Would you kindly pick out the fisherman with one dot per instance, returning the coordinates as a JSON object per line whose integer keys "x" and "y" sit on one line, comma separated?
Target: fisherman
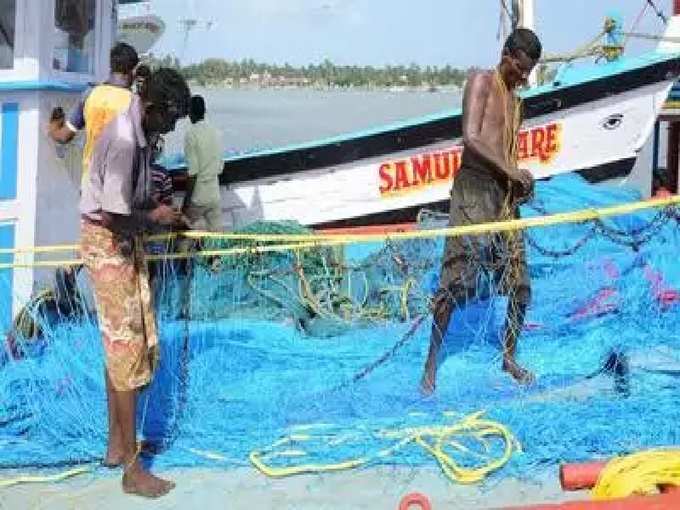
{"x": 202, "y": 149}
{"x": 202, "y": 206}
{"x": 99, "y": 104}
{"x": 117, "y": 205}
{"x": 489, "y": 187}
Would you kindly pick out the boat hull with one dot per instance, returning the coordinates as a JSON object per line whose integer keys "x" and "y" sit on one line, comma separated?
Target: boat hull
{"x": 601, "y": 139}
{"x": 597, "y": 126}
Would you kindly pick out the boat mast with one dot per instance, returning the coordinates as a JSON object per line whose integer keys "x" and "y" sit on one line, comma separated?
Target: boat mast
{"x": 524, "y": 10}
{"x": 673, "y": 140}
{"x": 523, "y": 17}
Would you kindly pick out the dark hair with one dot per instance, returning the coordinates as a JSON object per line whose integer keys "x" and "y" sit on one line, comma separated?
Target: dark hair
{"x": 141, "y": 73}
{"x": 166, "y": 86}
{"x": 124, "y": 58}
{"x": 197, "y": 109}
{"x": 525, "y": 40}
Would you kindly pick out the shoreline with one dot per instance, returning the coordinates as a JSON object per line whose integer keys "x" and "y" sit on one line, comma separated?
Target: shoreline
{"x": 375, "y": 488}
{"x": 452, "y": 89}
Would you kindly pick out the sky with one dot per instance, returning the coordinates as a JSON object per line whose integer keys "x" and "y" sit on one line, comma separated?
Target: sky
{"x": 461, "y": 33}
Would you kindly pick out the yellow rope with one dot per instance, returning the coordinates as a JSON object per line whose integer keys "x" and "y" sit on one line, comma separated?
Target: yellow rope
{"x": 638, "y": 474}
{"x": 301, "y": 242}
{"x": 434, "y": 440}
{"x": 44, "y": 479}
{"x": 314, "y": 240}
{"x": 410, "y": 282}
{"x": 512, "y": 123}
{"x": 43, "y": 263}
{"x": 589, "y": 49}
{"x": 41, "y": 249}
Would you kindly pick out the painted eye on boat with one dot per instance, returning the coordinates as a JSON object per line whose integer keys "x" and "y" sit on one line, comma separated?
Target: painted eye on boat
{"x": 613, "y": 121}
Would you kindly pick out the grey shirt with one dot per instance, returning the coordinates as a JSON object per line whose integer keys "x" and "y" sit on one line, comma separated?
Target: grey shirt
{"x": 115, "y": 162}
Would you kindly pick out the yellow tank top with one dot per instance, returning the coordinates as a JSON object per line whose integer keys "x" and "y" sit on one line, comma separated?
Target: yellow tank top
{"x": 104, "y": 104}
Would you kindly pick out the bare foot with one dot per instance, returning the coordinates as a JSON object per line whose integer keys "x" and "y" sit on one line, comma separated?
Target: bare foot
{"x": 427, "y": 385}
{"x": 114, "y": 454}
{"x": 112, "y": 460}
{"x": 518, "y": 373}
{"x": 142, "y": 483}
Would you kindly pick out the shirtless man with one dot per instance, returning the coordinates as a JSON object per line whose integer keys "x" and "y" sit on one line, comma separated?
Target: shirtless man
{"x": 488, "y": 188}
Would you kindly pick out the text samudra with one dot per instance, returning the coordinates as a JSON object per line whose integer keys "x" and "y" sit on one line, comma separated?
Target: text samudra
{"x": 540, "y": 144}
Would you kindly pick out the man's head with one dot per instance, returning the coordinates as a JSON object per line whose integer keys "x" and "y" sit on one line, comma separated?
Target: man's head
{"x": 521, "y": 52}
{"x": 197, "y": 109}
{"x": 166, "y": 97}
{"x": 124, "y": 59}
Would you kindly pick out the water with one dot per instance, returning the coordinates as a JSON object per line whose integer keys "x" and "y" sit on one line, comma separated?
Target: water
{"x": 253, "y": 119}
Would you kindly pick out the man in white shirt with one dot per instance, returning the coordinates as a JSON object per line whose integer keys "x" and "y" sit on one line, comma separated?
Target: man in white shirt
{"x": 203, "y": 152}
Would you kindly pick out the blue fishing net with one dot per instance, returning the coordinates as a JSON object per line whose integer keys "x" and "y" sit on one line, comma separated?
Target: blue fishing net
{"x": 327, "y": 341}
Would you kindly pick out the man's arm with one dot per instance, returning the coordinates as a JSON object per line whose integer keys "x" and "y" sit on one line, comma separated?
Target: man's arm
{"x": 118, "y": 212}
{"x": 191, "y": 155}
{"x": 475, "y": 99}
{"x": 140, "y": 219}
{"x": 191, "y": 184}
{"x": 63, "y": 130}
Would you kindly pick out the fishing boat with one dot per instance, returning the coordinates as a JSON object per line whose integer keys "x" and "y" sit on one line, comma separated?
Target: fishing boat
{"x": 593, "y": 118}
{"x": 138, "y": 25}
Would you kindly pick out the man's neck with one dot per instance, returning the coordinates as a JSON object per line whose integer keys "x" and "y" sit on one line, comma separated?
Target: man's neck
{"x": 500, "y": 70}
{"x": 119, "y": 79}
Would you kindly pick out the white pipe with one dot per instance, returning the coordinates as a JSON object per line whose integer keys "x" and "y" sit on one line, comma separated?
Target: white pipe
{"x": 527, "y": 19}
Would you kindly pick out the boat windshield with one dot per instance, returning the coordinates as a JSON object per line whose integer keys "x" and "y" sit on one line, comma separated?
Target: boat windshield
{"x": 74, "y": 39}
{"x": 7, "y": 23}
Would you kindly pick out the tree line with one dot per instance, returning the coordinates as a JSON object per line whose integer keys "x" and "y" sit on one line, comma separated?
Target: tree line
{"x": 326, "y": 74}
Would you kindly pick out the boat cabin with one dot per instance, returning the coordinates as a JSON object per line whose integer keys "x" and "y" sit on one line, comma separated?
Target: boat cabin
{"x": 49, "y": 51}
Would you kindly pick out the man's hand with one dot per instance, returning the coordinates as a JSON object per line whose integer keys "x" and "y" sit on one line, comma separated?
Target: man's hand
{"x": 182, "y": 223}
{"x": 57, "y": 115}
{"x": 57, "y": 119}
{"x": 523, "y": 185}
{"x": 165, "y": 215}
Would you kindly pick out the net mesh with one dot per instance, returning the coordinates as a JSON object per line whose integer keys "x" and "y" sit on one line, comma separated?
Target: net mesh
{"x": 325, "y": 345}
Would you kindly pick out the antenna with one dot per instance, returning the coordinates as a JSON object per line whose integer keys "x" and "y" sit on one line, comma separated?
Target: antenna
{"x": 191, "y": 23}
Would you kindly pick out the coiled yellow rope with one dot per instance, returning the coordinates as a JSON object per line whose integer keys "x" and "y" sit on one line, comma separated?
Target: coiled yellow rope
{"x": 433, "y": 439}
{"x": 638, "y": 474}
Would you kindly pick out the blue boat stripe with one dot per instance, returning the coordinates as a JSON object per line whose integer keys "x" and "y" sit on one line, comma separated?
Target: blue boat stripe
{"x": 9, "y": 150}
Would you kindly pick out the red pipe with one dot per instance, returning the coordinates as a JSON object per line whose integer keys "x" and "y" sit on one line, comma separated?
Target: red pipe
{"x": 415, "y": 501}
{"x": 576, "y": 477}
{"x": 655, "y": 502}
{"x": 676, "y": 7}
{"x": 369, "y": 229}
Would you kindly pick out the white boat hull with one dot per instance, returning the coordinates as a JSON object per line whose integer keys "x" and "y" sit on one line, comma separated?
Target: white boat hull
{"x": 592, "y": 135}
